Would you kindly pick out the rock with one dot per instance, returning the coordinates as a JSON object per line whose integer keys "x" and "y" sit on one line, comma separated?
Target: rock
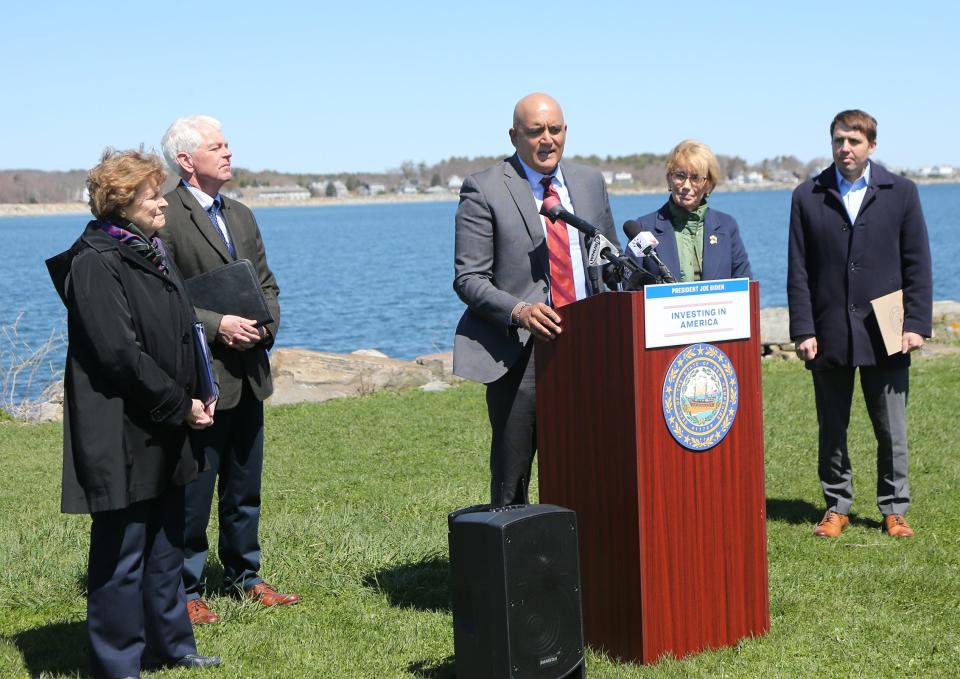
{"x": 433, "y": 387}
{"x": 440, "y": 365}
{"x": 302, "y": 375}
{"x": 369, "y": 352}
{"x": 774, "y": 326}
{"x": 946, "y": 311}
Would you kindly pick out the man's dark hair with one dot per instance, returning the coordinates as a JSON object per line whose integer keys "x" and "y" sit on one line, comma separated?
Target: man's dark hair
{"x": 858, "y": 120}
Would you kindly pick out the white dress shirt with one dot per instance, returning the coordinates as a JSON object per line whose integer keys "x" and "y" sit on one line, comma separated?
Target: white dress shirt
{"x": 205, "y": 202}
{"x": 852, "y": 193}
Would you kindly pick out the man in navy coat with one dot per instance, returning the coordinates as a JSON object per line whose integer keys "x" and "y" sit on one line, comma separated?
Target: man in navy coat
{"x": 857, "y": 233}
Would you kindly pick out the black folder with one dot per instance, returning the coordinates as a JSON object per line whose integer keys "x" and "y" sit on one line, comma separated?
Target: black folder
{"x": 231, "y": 289}
{"x": 207, "y": 389}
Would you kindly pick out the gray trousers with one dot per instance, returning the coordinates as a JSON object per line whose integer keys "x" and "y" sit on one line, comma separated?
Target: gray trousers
{"x": 512, "y": 408}
{"x": 885, "y": 394}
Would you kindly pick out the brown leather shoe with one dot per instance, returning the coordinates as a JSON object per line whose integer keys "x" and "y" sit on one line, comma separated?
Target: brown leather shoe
{"x": 268, "y": 596}
{"x": 831, "y": 525}
{"x": 896, "y": 526}
{"x": 200, "y": 613}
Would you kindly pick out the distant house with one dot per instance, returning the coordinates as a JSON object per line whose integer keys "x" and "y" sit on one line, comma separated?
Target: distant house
{"x": 455, "y": 182}
{"x": 937, "y": 171}
{"x": 371, "y": 189}
{"x": 407, "y": 189}
{"x": 607, "y": 178}
{"x": 341, "y": 189}
{"x": 784, "y": 177}
{"x": 752, "y": 177}
{"x": 622, "y": 177}
{"x": 290, "y": 192}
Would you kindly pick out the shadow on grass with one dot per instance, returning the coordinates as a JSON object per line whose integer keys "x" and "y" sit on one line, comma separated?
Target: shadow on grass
{"x": 424, "y": 585}
{"x": 429, "y": 669}
{"x": 213, "y": 574}
{"x": 802, "y": 512}
{"x": 792, "y": 511}
{"x": 55, "y": 650}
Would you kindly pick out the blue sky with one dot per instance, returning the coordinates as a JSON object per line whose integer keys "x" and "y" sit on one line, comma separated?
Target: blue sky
{"x": 363, "y": 86}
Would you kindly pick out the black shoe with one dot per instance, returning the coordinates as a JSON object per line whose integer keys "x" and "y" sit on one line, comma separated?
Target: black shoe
{"x": 193, "y": 661}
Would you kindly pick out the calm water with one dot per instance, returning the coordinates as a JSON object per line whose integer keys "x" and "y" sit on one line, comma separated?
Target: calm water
{"x": 379, "y": 276}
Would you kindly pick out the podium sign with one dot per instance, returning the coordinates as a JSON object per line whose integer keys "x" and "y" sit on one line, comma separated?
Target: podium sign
{"x": 704, "y": 311}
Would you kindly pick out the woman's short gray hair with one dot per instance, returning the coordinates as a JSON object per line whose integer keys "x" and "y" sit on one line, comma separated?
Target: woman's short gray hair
{"x": 183, "y": 136}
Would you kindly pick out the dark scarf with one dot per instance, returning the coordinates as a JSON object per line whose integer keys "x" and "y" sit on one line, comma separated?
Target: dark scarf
{"x": 126, "y": 232}
{"x": 681, "y": 218}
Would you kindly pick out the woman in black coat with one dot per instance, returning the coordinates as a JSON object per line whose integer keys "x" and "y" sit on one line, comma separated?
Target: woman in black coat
{"x": 129, "y": 383}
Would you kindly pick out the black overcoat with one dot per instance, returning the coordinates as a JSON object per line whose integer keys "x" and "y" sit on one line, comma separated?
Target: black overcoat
{"x": 129, "y": 375}
{"x": 835, "y": 268}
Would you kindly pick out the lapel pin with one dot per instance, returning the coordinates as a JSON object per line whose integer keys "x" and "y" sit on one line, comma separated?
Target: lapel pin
{"x": 713, "y": 240}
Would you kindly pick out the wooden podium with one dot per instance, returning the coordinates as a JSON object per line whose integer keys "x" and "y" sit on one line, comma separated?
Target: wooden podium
{"x": 673, "y": 546}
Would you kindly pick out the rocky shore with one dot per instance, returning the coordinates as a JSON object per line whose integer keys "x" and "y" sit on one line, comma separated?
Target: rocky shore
{"x": 301, "y": 375}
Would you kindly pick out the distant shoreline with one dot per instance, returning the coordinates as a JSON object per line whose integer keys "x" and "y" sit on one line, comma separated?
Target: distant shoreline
{"x": 77, "y": 208}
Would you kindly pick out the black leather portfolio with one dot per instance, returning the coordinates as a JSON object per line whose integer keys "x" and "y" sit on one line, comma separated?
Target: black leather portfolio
{"x": 207, "y": 389}
{"x": 230, "y": 289}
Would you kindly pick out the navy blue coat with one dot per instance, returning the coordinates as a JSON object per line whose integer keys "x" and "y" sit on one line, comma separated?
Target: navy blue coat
{"x": 723, "y": 253}
{"x": 835, "y": 269}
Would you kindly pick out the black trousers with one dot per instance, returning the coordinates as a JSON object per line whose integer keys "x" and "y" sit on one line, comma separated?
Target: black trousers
{"x": 512, "y": 408}
{"x": 136, "y": 607}
{"x": 233, "y": 446}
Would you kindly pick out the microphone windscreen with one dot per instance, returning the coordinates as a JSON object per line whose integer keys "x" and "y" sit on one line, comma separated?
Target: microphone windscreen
{"x": 550, "y": 207}
{"x": 631, "y": 227}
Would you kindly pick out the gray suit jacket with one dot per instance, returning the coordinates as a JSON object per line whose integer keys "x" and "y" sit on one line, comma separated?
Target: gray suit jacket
{"x": 500, "y": 259}
{"x": 196, "y": 247}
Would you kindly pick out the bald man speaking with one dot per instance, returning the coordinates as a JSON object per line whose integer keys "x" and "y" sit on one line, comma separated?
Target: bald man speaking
{"x": 516, "y": 270}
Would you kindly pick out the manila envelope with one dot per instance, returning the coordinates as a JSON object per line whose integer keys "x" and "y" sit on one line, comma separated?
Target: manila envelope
{"x": 889, "y": 312}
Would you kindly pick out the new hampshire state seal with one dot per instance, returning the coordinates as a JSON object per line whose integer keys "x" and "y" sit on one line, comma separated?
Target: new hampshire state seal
{"x": 700, "y": 396}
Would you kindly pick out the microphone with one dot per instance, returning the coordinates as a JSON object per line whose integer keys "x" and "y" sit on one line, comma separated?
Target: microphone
{"x": 642, "y": 244}
{"x": 553, "y": 208}
{"x": 600, "y": 247}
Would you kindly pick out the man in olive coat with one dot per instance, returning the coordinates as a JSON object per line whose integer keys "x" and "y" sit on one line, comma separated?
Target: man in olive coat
{"x": 857, "y": 233}
{"x": 206, "y": 230}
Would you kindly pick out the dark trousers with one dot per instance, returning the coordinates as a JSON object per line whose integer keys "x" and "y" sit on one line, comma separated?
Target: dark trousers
{"x": 512, "y": 408}
{"x": 233, "y": 447}
{"x": 885, "y": 395}
{"x": 136, "y": 607}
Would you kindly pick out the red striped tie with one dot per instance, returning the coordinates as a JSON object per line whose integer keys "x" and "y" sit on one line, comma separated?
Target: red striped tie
{"x": 562, "y": 291}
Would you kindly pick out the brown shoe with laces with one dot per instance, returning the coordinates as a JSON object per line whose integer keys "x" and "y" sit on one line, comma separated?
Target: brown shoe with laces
{"x": 831, "y": 525}
{"x": 896, "y": 526}
{"x": 200, "y": 613}
{"x": 268, "y": 596}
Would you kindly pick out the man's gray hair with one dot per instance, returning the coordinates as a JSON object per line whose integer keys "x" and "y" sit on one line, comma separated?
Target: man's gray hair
{"x": 183, "y": 136}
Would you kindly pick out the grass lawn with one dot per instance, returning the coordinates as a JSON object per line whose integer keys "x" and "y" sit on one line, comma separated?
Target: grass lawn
{"x": 356, "y": 494}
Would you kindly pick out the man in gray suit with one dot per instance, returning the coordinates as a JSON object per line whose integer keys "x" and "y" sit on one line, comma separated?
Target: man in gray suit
{"x": 206, "y": 230}
{"x": 514, "y": 269}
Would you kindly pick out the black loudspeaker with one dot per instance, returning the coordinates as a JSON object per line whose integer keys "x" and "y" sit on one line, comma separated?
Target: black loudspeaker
{"x": 515, "y": 580}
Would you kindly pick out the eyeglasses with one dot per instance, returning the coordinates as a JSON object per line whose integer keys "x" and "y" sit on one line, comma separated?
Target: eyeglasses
{"x": 679, "y": 178}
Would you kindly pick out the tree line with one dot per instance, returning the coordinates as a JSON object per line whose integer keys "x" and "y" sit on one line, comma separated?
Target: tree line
{"x": 646, "y": 169}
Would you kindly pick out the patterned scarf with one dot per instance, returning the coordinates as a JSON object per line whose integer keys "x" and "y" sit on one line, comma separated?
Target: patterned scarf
{"x": 127, "y": 233}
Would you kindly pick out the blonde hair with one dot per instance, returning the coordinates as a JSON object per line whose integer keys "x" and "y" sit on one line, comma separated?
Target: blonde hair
{"x": 113, "y": 183}
{"x": 695, "y": 155}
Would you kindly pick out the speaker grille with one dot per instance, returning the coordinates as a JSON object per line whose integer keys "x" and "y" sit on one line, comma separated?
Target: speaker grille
{"x": 543, "y": 595}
